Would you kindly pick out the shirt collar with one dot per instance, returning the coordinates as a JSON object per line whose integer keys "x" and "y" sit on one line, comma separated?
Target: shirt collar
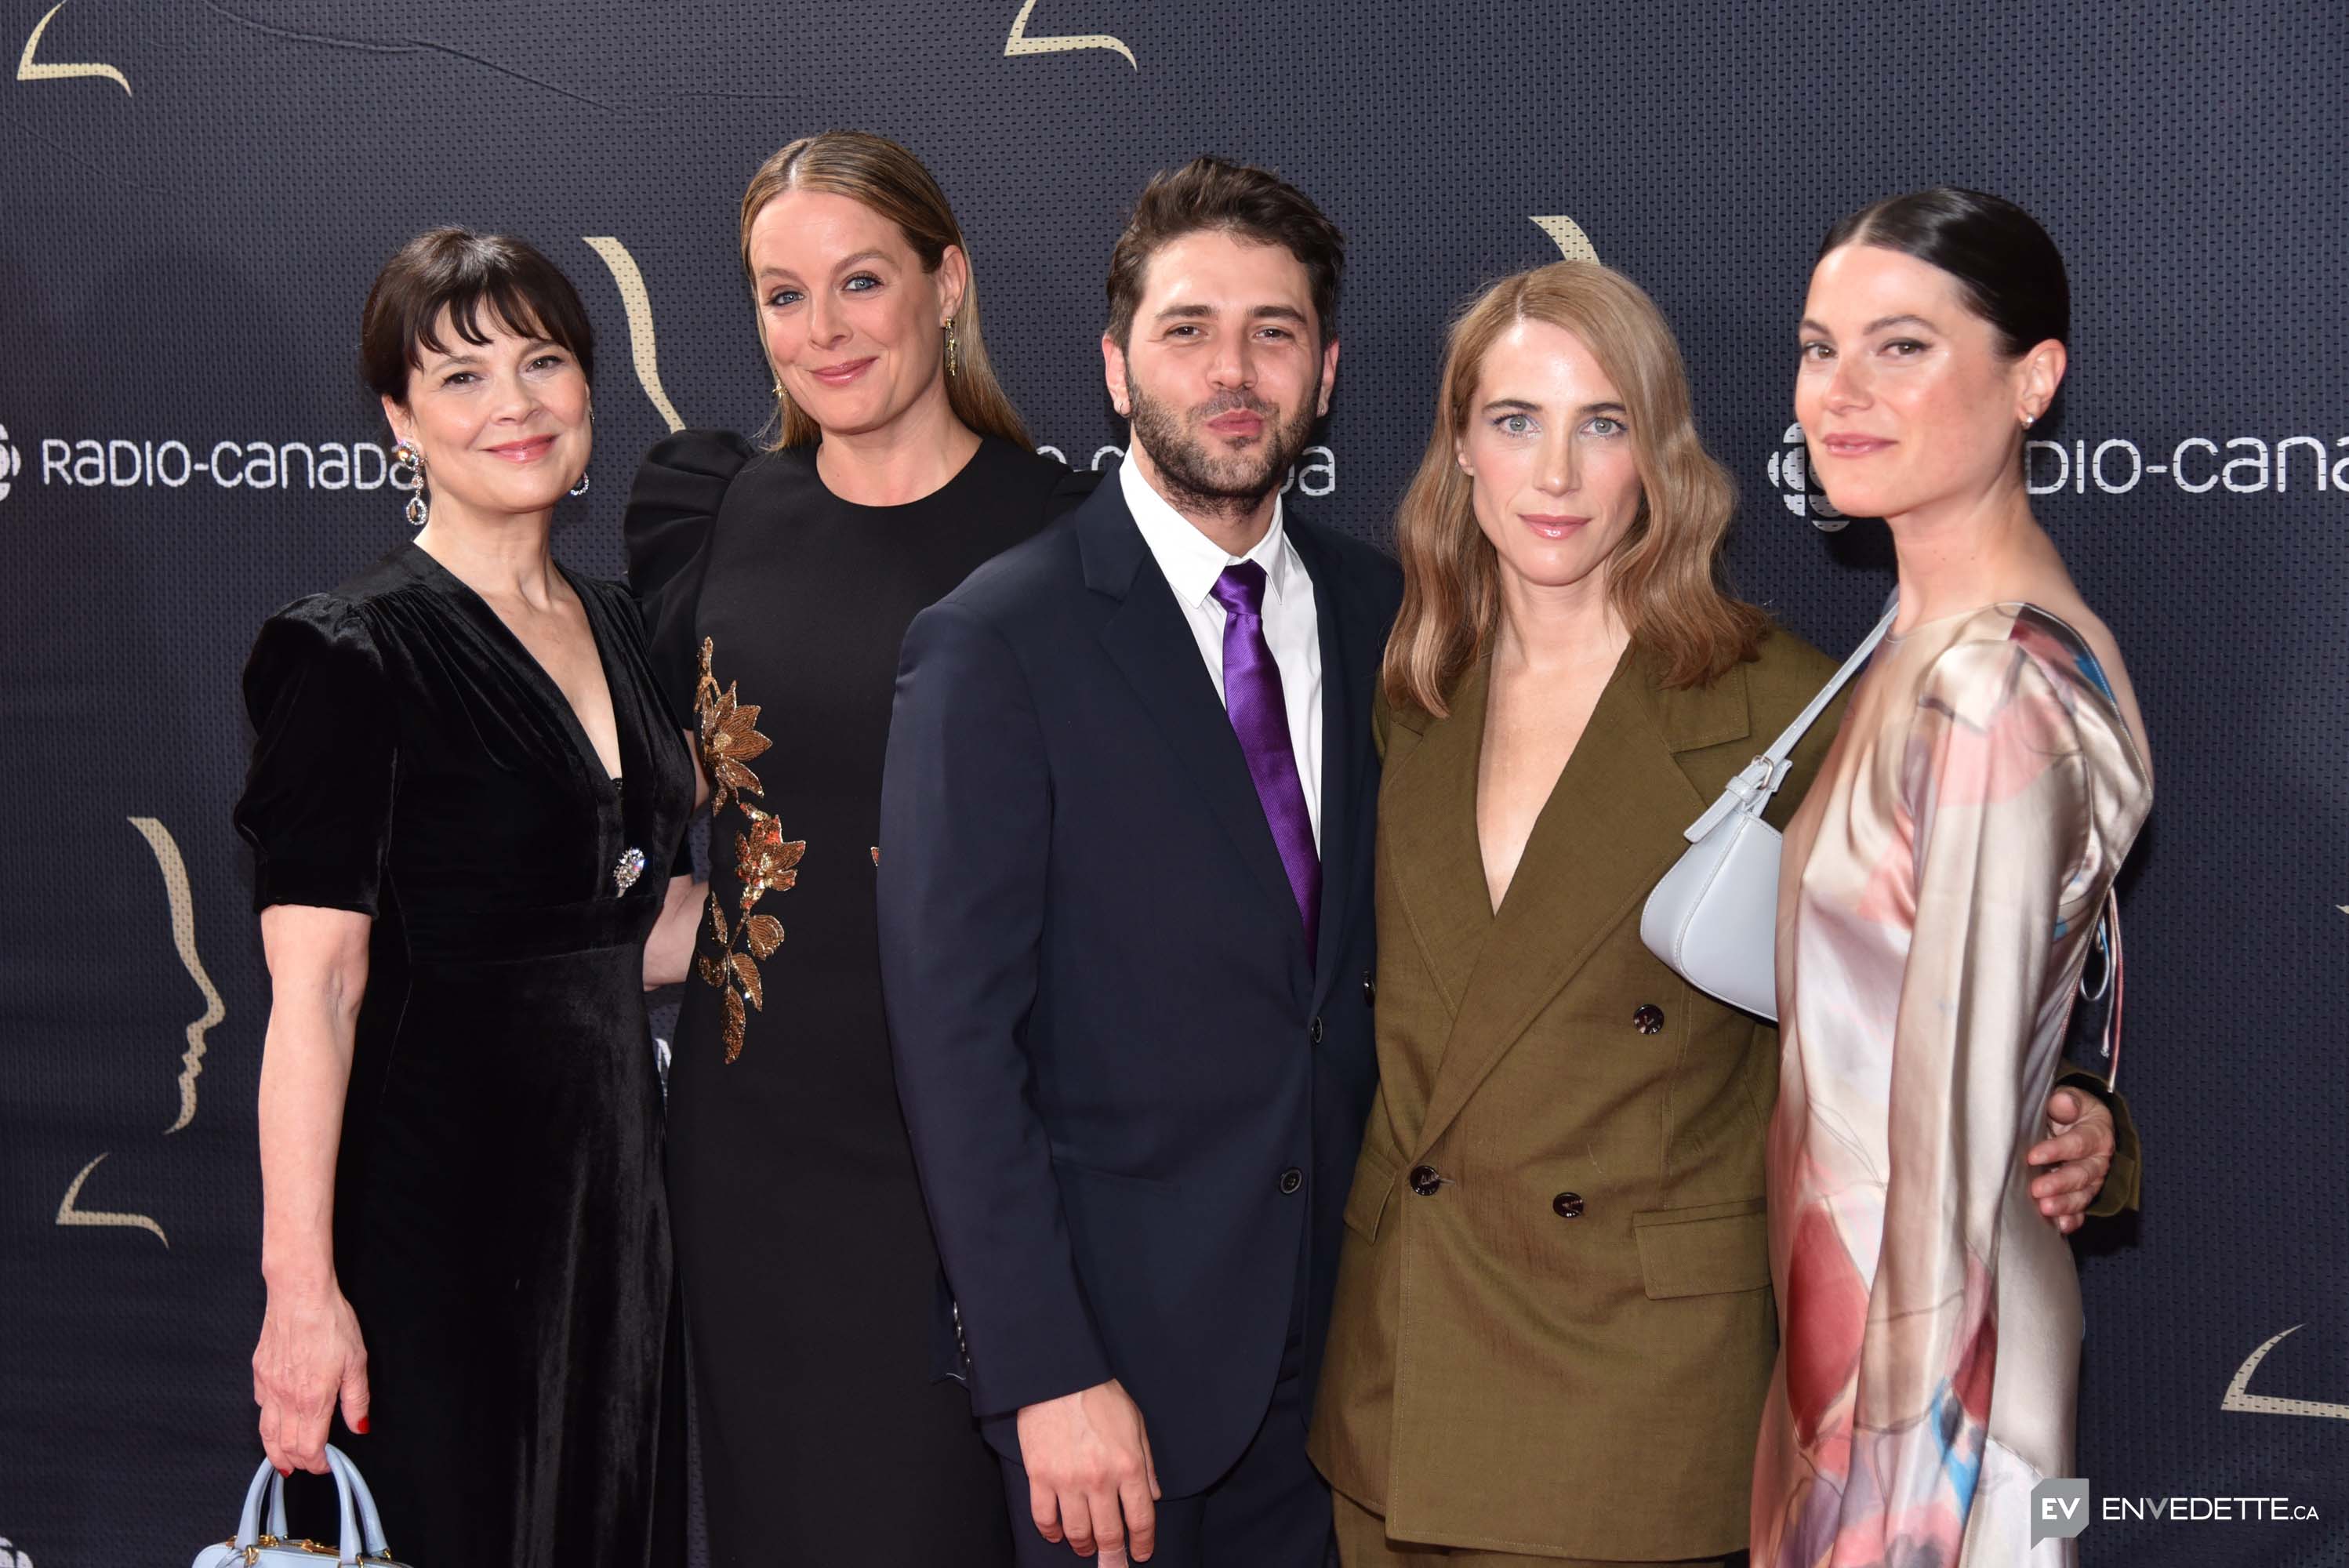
{"x": 1189, "y": 559}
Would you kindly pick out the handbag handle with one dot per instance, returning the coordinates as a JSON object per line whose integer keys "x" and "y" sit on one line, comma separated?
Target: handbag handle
{"x": 358, "y": 1505}
{"x": 1751, "y": 791}
{"x": 372, "y": 1535}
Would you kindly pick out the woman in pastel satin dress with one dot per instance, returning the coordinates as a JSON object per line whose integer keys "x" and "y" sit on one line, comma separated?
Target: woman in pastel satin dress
{"x": 1938, "y": 892}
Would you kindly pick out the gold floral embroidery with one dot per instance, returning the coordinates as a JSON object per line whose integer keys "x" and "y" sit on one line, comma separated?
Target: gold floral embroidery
{"x": 764, "y": 860}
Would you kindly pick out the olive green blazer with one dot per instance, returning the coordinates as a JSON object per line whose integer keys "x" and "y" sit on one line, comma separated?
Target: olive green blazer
{"x": 1554, "y": 1324}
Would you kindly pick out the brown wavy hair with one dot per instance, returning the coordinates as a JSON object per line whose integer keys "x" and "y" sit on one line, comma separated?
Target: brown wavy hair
{"x": 1665, "y": 577}
{"x": 891, "y": 182}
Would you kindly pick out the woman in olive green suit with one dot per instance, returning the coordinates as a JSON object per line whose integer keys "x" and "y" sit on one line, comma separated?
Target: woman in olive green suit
{"x": 1554, "y": 1327}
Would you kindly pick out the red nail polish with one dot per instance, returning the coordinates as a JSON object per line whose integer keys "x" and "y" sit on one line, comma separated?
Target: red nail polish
{"x": 285, "y": 1471}
{"x": 360, "y": 1426}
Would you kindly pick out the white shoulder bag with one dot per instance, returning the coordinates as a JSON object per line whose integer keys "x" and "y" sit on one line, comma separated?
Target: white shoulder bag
{"x": 253, "y": 1547}
{"x": 1715, "y": 915}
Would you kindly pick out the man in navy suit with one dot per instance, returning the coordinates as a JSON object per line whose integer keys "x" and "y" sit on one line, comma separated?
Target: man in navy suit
{"x": 1126, "y": 917}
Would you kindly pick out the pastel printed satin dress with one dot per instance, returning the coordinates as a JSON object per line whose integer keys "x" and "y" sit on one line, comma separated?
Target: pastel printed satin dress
{"x": 1938, "y": 897}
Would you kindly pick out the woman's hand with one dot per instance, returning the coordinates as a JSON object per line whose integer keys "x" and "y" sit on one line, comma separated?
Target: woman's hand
{"x": 2076, "y": 1155}
{"x": 310, "y": 1358}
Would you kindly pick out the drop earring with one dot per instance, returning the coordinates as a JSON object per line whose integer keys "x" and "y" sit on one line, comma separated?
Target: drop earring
{"x": 953, "y": 366}
{"x": 404, "y": 455}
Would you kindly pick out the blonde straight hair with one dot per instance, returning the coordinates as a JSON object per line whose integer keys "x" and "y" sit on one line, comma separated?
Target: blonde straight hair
{"x": 891, "y": 182}
{"x": 1665, "y": 577}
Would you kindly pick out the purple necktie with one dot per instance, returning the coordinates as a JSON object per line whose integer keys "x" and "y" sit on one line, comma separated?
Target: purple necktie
{"x": 1260, "y": 718}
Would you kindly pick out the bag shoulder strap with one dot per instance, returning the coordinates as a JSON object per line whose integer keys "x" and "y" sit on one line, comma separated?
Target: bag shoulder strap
{"x": 1752, "y": 788}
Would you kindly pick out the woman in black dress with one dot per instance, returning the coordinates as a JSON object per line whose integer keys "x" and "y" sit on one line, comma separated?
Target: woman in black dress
{"x": 779, "y": 584}
{"x": 463, "y": 765}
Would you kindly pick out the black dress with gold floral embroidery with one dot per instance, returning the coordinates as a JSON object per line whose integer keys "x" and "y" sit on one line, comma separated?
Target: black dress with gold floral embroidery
{"x": 811, "y": 1280}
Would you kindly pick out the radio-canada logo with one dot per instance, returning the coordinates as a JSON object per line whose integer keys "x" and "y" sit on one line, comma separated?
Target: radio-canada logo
{"x": 12, "y": 462}
{"x": 1789, "y": 470}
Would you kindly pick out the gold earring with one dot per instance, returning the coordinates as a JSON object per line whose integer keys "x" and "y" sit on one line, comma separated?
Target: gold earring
{"x": 953, "y": 365}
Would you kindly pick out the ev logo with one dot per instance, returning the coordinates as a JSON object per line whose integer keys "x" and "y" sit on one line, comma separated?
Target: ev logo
{"x": 1789, "y": 473}
{"x": 2059, "y": 1509}
{"x": 12, "y": 463}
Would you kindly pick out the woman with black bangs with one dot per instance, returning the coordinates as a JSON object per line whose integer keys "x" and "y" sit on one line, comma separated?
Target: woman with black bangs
{"x": 461, "y": 769}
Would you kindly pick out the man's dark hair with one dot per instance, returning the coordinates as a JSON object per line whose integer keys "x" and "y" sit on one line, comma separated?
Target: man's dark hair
{"x": 463, "y": 272}
{"x": 1211, "y": 194}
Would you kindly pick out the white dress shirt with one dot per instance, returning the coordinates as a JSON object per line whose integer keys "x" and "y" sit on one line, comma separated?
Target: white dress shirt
{"x": 1292, "y": 627}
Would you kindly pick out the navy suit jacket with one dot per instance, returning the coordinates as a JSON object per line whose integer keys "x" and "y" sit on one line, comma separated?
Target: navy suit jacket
{"x": 1134, "y": 1097}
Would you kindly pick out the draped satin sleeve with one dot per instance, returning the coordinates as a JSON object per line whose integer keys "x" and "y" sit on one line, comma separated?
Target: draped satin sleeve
{"x": 671, "y": 518}
{"x": 317, "y": 801}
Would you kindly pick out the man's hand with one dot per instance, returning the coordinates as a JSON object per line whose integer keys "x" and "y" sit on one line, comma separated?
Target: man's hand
{"x": 1091, "y": 1482}
{"x": 2079, "y": 1148}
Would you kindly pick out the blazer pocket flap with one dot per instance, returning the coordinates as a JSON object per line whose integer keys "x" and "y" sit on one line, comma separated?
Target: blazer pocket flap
{"x": 1366, "y": 1202}
{"x": 1703, "y": 1251}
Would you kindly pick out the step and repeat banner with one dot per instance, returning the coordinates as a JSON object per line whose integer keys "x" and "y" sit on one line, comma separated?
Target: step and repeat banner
{"x": 195, "y": 195}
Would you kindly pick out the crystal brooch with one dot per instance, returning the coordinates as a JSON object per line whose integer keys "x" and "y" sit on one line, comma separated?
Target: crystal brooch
{"x": 628, "y": 868}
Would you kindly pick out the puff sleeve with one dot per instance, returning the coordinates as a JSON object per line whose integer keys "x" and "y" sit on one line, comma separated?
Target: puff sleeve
{"x": 317, "y": 801}
{"x": 671, "y": 517}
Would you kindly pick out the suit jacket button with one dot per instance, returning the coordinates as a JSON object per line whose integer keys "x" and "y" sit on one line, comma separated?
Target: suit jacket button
{"x": 1291, "y": 1180}
{"x": 1424, "y": 1181}
{"x": 1315, "y": 1031}
{"x": 1649, "y": 1019}
{"x": 1370, "y": 991}
{"x": 1568, "y": 1205}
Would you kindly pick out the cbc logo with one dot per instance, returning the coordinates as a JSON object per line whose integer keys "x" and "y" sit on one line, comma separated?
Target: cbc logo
{"x": 12, "y": 463}
{"x": 1789, "y": 471}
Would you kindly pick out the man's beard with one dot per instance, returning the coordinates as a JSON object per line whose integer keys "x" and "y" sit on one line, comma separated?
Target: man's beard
{"x": 1199, "y": 480}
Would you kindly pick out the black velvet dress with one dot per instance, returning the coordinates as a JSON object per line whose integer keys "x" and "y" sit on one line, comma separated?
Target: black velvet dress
{"x": 500, "y": 1228}
{"x": 831, "y": 1430}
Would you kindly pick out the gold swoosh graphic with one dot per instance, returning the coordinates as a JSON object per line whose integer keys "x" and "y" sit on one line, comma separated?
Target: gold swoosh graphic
{"x": 1571, "y": 242}
{"x": 183, "y": 936}
{"x": 70, "y": 1215}
{"x": 642, "y": 346}
{"x": 31, "y": 70}
{"x": 1019, "y": 43}
{"x": 2239, "y": 1398}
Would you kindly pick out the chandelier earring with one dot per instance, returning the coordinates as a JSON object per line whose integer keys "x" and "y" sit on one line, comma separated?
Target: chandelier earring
{"x": 404, "y": 455}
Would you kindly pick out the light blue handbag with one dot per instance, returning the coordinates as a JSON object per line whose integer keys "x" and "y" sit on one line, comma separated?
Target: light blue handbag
{"x": 253, "y": 1547}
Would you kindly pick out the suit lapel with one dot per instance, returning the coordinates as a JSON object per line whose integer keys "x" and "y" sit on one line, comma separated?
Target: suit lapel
{"x": 1611, "y": 828}
{"x": 1151, "y": 642}
{"x": 1345, "y": 746}
{"x": 1427, "y": 836}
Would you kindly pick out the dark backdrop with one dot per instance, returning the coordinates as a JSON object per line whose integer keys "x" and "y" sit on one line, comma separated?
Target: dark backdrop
{"x": 195, "y": 195}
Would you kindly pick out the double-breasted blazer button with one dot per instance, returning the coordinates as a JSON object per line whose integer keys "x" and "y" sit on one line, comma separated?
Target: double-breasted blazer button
{"x": 1424, "y": 1181}
{"x": 1315, "y": 1031}
{"x": 1568, "y": 1205}
{"x": 1291, "y": 1180}
{"x": 1369, "y": 990}
{"x": 1649, "y": 1019}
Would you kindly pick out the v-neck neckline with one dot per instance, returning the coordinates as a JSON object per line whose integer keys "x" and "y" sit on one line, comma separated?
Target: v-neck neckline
{"x": 1484, "y": 694}
{"x": 584, "y": 752}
